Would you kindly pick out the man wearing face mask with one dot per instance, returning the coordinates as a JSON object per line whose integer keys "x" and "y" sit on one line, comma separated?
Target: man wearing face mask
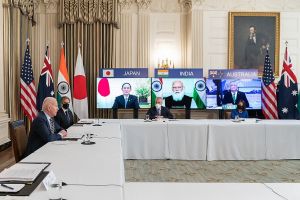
{"x": 64, "y": 115}
{"x": 158, "y": 110}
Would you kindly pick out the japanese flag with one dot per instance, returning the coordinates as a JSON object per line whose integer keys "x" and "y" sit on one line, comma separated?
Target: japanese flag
{"x": 108, "y": 73}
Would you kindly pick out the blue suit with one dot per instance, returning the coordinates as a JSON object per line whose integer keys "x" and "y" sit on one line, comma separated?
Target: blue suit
{"x": 131, "y": 103}
{"x": 243, "y": 114}
{"x": 40, "y": 133}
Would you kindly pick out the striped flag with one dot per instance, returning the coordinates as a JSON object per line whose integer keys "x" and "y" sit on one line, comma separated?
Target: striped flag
{"x": 28, "y": 91}
{"x": 287, "y": 91}
{"x": 63, "y": 83}
{"x": 269, "y": 99}
{"x": 80, "y": 90}
{"x": 46, "y": 85}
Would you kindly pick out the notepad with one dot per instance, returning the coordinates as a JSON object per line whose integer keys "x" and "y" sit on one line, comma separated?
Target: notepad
{"x": 11, "y": 188}
{"x": 22, "y": 172}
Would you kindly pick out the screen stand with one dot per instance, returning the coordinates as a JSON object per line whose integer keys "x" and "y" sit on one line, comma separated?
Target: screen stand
{"x": 221, "y": 114}
{"x": 188, "y": 113}
{"x": 135, "y": 113}
{"x": 115, "y": 113}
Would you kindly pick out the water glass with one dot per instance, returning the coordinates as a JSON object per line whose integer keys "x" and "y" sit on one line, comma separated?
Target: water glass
{"x": 54, "y": 191}
{"x": 147, "y": 117}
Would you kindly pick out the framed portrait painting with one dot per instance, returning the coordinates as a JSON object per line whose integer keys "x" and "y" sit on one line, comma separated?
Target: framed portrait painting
{"x": 250, "y": 35}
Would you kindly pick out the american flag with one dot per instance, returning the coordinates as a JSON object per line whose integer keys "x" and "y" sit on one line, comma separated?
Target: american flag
{"x": 46, "y": 85}
{"x": 287, "y": 91}
{"x": 269, "y": 99}
{"x": 28, "y": 91}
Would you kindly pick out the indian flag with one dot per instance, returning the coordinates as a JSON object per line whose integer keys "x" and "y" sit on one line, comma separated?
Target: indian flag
{"x": 163, "y": 72}
{"x": 199, "y": 94}
{"x": 63, "y": 83}
{"x": 156, "y": 91}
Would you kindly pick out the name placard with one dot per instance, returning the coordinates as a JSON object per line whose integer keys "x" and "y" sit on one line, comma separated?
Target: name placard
{"x": 124, "y": 73}
{"x": 233, "y": 73}
{"x": 179, "y": 73}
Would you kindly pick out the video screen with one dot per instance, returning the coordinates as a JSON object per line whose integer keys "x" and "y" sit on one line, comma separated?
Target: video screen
{"x": 123, "y": 93}
{"x": 180, "y": 93}
{"x": 226, "y": 93}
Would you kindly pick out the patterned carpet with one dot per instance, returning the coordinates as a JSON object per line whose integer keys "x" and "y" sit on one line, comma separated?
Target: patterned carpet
{"x": 212, "y": 171}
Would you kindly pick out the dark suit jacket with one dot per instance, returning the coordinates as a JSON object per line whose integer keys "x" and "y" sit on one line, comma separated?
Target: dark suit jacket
{"x": 62, "y": 119}
{"x": 165, "y": 112}
{"x": 40, "y": 133}
{"x": 185, "y": 102}
{"x": 120, "y": 102}
{"x": 239, "y": 96}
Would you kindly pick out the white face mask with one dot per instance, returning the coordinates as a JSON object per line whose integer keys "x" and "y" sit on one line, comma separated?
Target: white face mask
{"x": 158, "y": 106}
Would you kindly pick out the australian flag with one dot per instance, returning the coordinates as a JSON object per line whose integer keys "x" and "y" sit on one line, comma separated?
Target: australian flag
{"x": 46, "y": 86}
{"x": 287, "y": 91}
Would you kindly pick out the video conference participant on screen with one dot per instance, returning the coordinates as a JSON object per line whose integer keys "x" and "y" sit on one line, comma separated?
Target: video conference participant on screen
{"x": 178, "y": 98}
{"x": 126, "y": 100}
{"x": 240, "y": 111}
{"x": 158, "y": 110}
{"x": 233, "y": 96}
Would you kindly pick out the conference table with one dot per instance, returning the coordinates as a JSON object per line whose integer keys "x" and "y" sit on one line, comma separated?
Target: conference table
{"x": 164, "y": 139}
{"x": 211, "y": 139}
{"x": 97, "y": 171}
{"x": 91, "y": 171}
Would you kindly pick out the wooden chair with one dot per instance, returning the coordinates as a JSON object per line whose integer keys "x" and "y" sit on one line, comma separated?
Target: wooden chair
{"x": 19, "y": 138}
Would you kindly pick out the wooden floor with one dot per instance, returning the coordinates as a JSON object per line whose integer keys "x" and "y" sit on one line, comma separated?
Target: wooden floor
{"x": 6, "y": 158}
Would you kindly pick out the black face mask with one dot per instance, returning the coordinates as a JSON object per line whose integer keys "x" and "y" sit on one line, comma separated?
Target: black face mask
{"x": 65, "y": 105}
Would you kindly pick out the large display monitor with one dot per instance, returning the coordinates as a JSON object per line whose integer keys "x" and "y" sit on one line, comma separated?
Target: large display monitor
{"x": 180, "y": 92}
{"x": 113, "y": 92}
{"x": 220, "y": 96}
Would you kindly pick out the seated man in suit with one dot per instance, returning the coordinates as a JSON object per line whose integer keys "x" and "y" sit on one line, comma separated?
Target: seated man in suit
{"x": 126, "y": 100}
{"x": 64, "y": 116}
{"x": 158, "y": 110}
{"x": 44, "y": 128}
{"x": 233, "y": 96}
{"x": 178, "y": 98}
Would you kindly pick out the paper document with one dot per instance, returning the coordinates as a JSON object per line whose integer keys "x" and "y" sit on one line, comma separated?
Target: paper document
{"x": 11, "y": 187}
{"x": 24, "y": 172}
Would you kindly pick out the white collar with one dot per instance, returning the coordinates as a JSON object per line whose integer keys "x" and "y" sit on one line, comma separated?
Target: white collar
{"x": 48, "y": 117}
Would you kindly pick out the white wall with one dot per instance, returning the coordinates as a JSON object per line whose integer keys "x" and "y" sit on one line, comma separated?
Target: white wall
{"x": 165, "y": 38}
{"x": 206, "y": 27}
{"x": 215, "y": 37}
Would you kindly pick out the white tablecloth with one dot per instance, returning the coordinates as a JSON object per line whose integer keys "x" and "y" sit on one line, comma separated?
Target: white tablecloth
{"x": 187, "y": 139}
{"x": 198, "y": 191}
{"x": 74, "y": 163}
{"x": 282, "y": 139}
{"x": 229, "y": 140}
{"x": 76, "y": 193}
{"x": 105, "y": 130}
{"x": 144, "y": 140}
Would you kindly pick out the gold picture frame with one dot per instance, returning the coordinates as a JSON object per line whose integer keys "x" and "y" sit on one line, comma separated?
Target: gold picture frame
{"x": 250, "y": 34}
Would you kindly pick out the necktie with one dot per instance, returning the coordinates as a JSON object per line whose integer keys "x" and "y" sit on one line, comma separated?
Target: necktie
{"x": 52, "y": 127}
{"x": 126, "y": 100}
{"x": 68, "y": 117}
{"x": 159, "y": 112}
{"x": 234, "y": 97}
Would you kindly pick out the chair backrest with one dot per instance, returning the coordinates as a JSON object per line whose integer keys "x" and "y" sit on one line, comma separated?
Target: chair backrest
{"x": 19, "y": 138}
